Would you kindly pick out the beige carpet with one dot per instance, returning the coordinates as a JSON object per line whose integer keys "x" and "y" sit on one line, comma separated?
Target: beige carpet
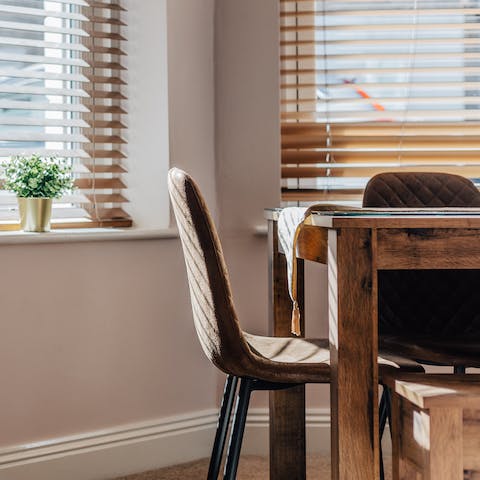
{"x": 250, "y": 468}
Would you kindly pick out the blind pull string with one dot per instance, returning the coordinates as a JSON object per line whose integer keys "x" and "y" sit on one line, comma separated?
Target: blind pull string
{"x": 94, "y": 133}
{"x": 412, "y": 61}
{"x": 329, "y": 157}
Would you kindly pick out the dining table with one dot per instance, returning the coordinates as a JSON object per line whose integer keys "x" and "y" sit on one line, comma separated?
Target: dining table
{"x": 355, "y": 245}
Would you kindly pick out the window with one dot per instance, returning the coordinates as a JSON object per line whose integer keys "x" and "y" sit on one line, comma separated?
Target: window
{"x": 373, "y": 86}
{"x": 61, "y": 94}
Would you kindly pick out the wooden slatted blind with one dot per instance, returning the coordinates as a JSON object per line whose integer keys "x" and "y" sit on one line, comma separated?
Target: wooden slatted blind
{"x": 61, "y": 94}
{"x": 373, "y": 86}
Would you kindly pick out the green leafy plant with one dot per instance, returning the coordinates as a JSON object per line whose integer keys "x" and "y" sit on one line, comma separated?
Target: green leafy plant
{"x": 38, "y": 177}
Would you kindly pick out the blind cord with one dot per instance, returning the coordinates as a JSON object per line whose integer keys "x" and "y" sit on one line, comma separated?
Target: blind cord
{"x": 94, "y": 133}
{"x": 329, "y": 157}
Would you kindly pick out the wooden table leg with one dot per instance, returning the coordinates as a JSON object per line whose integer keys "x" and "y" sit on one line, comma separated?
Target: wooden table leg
{"x": 353, "y": 348}
{"x": 287, "y": 407}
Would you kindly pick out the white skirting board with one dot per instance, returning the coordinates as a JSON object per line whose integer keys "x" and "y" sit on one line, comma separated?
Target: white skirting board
{"x": 114, "y": 452}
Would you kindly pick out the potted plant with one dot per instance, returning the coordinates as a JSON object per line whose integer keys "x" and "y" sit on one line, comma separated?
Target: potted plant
{"x": 36, "y": 181}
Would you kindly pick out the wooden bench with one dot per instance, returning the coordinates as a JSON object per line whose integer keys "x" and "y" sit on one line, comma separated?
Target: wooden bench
{"x": 435, "y": 426}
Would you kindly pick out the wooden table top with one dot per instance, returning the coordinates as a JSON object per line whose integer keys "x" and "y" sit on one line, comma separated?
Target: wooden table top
{"x": 390, "y": 218}
{"x": 395, "y": 220}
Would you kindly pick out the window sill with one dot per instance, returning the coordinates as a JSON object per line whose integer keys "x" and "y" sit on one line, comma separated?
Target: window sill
{"x": 86, "y": 235}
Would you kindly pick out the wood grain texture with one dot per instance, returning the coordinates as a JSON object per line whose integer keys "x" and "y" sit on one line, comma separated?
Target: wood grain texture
{"x": 414, "y": 458}
{"x": 287, "y": 434}
{"x": 438, "y": 443}
{"x": 407, "y": 458}
{"x": 312, "y": 244}
{"x": 353, "y": 256}
{"x": 471, "y": 441}
{"x": 437, "y": 390}
{"x": 353, "y": 347}
{"x": 395, "y": 221}
{"x": 407, "y": 471}
{"x": 413, "y": 428}
{"x": 428, "y": 444}
{"x": 397, "y": 465}
{"x": 428, "y": 248}
{"x": 287, "y": 407}
{"x": 445, "y": 457}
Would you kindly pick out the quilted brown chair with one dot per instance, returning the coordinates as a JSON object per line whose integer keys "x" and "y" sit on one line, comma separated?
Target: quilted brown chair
{"x": 432, "y": 316}
{"x": 259, "y": 363}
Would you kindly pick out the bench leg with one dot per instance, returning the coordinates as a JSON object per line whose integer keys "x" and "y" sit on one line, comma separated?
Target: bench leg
{"x": 445, "y": 457}
{"x": 427, "y": 444}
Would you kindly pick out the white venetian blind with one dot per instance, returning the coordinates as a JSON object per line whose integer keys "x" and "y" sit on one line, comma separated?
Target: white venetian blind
{"x": 61, "y": 95}
{"x": 373, "y": 86}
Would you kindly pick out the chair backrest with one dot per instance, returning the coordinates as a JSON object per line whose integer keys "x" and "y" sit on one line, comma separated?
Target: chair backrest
{"x": 441, "y": 303}
{"x": 422, "y": 189}
{"x": 214, "y": 314}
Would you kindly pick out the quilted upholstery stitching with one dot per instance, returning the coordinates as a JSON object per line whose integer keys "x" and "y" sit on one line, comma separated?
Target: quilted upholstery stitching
{"x": 409, "y": 300}
{"x": 420, "y": 190}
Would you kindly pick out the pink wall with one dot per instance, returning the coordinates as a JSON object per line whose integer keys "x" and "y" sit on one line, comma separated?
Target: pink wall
{"x": 247, "y": 114}
{"x": 93, "y": 348}
{"x": 191, "y": 90}
{"x": 90, "y": 331}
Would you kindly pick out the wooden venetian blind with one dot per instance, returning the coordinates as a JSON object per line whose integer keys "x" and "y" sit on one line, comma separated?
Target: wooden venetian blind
{"x": 61, "y": 95}
{"x": 374, "y": 86}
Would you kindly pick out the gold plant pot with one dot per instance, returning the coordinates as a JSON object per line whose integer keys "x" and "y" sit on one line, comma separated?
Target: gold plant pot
{"x": 35, "y": 213}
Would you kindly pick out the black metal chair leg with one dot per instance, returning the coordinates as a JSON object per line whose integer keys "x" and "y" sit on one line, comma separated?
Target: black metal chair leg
{"x": 383, "y": 414}
{"x": 236, "y": 437}
{"x": 459, "y": 369}
{"x": 222, "y": 427}
{"x": 382, "y": 468}
{"x": 388, "y": 394}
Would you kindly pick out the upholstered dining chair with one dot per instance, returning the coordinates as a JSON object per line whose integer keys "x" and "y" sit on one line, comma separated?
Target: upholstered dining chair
{"x": 430, "y": 316}
{"x": 255, "y": 362}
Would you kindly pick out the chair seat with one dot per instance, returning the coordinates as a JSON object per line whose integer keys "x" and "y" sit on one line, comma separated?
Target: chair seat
{"x": 306, "y": 360}
{"x": 447, "y": 351}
